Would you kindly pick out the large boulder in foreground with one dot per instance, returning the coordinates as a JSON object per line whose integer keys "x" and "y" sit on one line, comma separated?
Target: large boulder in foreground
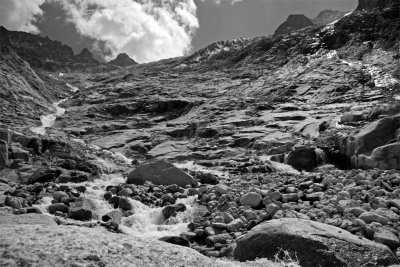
{"x": 159, "y": 173}
{"x": 314, "y": 243}
{"x": 82, "y": 246}
{"x": 6, "y": 218}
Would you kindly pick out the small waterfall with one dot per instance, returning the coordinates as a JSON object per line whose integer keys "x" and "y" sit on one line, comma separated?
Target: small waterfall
{"x": 49, "y": 120}
{"x": 149, "y": 222}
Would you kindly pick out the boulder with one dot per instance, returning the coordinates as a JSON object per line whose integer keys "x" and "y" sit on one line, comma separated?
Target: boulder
{"x": 304, "y": 158}
{"x": 69, "y": 245}
{"x": 369, "y": 217}
{"x": 207, "y": 178}
{"x": 314, "y": 243}
{"x": 251, "y": 199}
{"x": 371, "y": 147}
{"x": 387, "y": 157}
{"x": 235, "y": 225}
{"x": 387, "y": 238}
{"x": 61, "y": 207}
{"x": 113, "y": 216}
{"x": 82, "y": 209}
{"x": 159, "y": 173}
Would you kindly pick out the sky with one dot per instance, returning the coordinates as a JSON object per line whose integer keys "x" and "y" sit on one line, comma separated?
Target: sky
{"x": 149, "y": 30}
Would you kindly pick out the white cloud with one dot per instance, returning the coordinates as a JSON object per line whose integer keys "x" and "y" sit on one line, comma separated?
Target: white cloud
{"x": 19, "y": 15}
{"x": 147, "y": 30}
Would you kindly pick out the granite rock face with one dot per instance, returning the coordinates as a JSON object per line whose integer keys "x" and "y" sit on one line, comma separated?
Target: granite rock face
{"x": 313, "y": 243}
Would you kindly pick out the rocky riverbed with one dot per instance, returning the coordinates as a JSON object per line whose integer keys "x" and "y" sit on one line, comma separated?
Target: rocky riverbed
{"x": 273, "y": 151}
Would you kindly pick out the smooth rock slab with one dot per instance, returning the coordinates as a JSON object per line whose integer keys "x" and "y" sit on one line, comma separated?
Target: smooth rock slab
{"x": 315, "y": 244}
{"x": 31, "y": 218}
{"x": 159, "y": 173}
{"x": 81, "y": 246}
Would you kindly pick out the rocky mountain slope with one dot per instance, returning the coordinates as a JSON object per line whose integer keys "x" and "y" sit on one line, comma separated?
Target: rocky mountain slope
{"x": 25, "y": 94}
{"x": 243, "y": 139}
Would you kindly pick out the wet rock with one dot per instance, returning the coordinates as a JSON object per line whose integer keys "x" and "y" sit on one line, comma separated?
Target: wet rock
{"x": 42, "y": 175}
{"x": 169, "y": 211}
{"x": 124, "y": 203}
{"x": 125, "y": 192}
{"x": 82, "y": 209}
{"x": 207, "y": 178}
{"x": 73, "y": 177}
{"x": 304, "y": 158}
{"x": 113, "y": 216}
{"x": 114, "y": 200}
{"x": 176, "y": 240}
{"x": 61, "y": 207}
{"x": 33, "y": 209}
{"x": 159, "y": 173}
{"x": 314, "y": 244}
{"x": 251, "y": 199}
{"x": 59, "y": 195}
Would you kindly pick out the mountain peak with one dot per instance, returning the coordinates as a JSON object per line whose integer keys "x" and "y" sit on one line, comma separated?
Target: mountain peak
{"x": 123, "y": 60}
{"x": 328, "y": 16}
{"x": 294, "y": 22}
{"x": 85, "y": 57}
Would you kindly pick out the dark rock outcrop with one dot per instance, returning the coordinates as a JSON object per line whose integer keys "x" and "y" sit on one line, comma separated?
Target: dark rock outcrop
{"x": 374, "y": 146}
{"x": 159, "y": 172}
{"x": 314, "y": 243}
{"x": 304, "y": 158}
{"x": 123, "y": 60}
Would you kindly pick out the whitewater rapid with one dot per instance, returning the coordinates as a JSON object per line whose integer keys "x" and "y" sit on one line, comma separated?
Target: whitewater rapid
{"x": 144, "y": 222}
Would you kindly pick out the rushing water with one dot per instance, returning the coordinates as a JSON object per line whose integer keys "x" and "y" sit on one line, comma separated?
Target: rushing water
{"x": 49, "y": 120}
{"x": 145, "y": 221}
